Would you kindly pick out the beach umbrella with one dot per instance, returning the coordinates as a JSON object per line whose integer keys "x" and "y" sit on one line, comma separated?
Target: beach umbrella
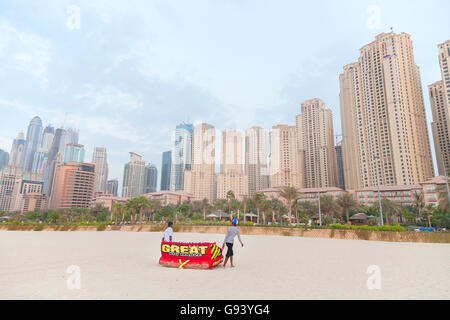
{"x": 359, "y": 216}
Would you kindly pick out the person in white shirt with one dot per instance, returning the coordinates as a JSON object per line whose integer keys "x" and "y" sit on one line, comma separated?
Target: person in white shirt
{"x": 168, "y": 233}
{"x": 232, "y": 232}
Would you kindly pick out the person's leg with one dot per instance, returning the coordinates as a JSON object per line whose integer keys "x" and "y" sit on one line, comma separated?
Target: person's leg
{"x": 230, "y": 253}
{"x": 225, "y": 263}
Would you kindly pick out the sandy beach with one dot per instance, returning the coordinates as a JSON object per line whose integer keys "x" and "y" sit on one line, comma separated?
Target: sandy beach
{"x": 124, "y": 265}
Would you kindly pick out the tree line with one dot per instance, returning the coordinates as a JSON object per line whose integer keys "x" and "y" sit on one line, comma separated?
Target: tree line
{"x": 274, "y": 211}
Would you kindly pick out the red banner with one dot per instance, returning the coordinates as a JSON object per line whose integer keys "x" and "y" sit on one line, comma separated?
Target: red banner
{"x": 200, "y": 255}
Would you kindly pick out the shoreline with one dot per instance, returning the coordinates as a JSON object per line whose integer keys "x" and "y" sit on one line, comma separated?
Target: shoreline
{"x": 368, "y": 235}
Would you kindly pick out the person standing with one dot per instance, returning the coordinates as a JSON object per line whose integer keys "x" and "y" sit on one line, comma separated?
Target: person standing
{"x": 168, "y": 233}
{"x": 232, "y": 232}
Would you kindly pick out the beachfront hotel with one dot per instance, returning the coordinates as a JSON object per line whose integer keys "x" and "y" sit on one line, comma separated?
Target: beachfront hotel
{"x": 73, "y": 185}
{"x": 439, "y": 93}
{"x": 384, "y": 132}
{"x": 284, "y": 159}
{"x": 368, "y": 196}
{"x": 316, "y": 144}
{"x": 256, "y": 164}
{"x": 231, "y": 176}
{"x": 200, "y": 180}
{"x": 14, "y": 187}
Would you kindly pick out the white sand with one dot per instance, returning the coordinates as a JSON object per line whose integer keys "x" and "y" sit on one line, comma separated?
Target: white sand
{"x": 124, "y": 265}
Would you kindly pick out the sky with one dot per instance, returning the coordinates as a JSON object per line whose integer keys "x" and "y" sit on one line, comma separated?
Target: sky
{"x": 125, "y": 73}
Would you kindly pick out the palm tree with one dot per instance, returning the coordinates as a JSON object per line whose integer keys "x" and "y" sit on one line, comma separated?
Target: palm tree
{"x": 132, "y": 206}
{"x": 258, "y": 200}
{"x": 235, "y": 205}
{"x": 156, "y": 206}
{"x": 117, "y": 209}
{"x": 329, "y": 206}
{"x": 390, "y": 208}
{"x": 265, "y": 206}
{"x": 230, "y": 196}
{"x": 289, "y": 194}
{"x": 142, "y": 204}
{"x": 419, "y": 202}
{"x": 428, "y": 212}
{"x": 244, "y": 206}
{"x": 347, "y": 203}
{"x": 276, "y": 206}
{"x": 205, "y": 205}
{"x": 295, "y": 207}
{"x": 443, "y": 199}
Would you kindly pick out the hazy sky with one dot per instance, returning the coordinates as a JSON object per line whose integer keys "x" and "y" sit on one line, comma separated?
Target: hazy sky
{"x": 130, "y": 71}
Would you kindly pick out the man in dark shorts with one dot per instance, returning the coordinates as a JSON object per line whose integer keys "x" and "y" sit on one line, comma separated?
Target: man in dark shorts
{"x": 232, "y": 232}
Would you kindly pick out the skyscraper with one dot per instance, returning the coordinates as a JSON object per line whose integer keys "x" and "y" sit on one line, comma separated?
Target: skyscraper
{"x": 256, "y": 165}
{"x": 73, "y": 185}
{"x": 10, "y": 177}
{"x": 99, "y": 157}
{"x": 47, "y": 137}
{"x": 439, "y": 93}
{"x": 17, "y": 151}
{"x": 133, "y": 177}
{"x": 41, "y": 156}
{"x": 353, "y": 128}
{"x": 151, "y": 178}
{"x": 166, "y": 167}
{"x": 181, "y": 155}
{"x": 385, "y": 137}
{"x": 316, "y": 144}
{"x": 284, "y": 160}
{"x": 200, "y": 181}
{"x": 74, "y": 153}
{"x": 231, "y": 176}
{"x": 40, "y": 161}
{"x": 34, "y": 134}
{"x": 67, "y": 136}
{"x": 51, "y": 162}
{"x": 4, "y": 158}
{"x": 14, "y": 184}
{"x": 339, "y": 167}
{"x": 113, "y": 187}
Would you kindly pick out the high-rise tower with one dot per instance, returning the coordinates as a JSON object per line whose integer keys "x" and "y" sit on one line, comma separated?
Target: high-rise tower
{"x": 34, "y": 134}
{"x": 200, "y": 180}
{"x": 99, "y": 157}
{"x": 166, "y": 168}
{"x": 256, "y": 164}
{"x": 181, "y": 155}
{"x": 17, "y": 151}
{"x": 385, "y": 138}
{"x": 316, "y": 144}
{"x": 231, "y": 176}
{"x": 439, "y": 93}
{"x": 133, "y": 177}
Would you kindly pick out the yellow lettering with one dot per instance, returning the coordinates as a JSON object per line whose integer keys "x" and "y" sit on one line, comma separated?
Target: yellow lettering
{"x": 175, "y": 248}
{"x": 165, "y": 248}
{"x": 194, "y": 250}
{"x": 184, "y": 249}
{"x": 203, "y": 249}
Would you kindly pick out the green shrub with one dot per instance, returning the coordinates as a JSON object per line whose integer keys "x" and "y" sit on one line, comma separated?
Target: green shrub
{"x": 393, "y": 228}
